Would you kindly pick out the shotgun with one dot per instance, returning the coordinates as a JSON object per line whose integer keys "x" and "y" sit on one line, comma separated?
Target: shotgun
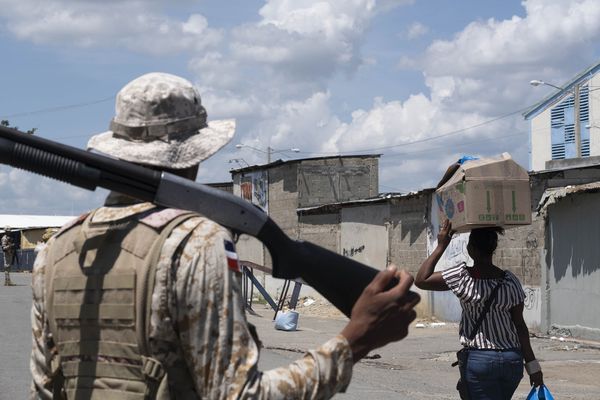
{"x": 339, "y": 279}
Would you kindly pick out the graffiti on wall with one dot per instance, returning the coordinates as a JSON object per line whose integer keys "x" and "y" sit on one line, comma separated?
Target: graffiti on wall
{"x": 457, "y": 251}
{"x": 531, "y": 298}
{"x": 352, "y": 251}
{"x": 254, "y": 187}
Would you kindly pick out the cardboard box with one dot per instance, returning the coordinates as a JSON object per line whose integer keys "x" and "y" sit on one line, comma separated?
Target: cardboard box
{"x": 486, "y": 192}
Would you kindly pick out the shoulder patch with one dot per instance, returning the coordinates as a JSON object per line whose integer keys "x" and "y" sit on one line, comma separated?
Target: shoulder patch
{"x": 159, "y": 219}
{"x": 232, "y": 257}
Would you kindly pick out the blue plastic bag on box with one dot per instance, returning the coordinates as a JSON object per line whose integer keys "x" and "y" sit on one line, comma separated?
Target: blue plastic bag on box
{"x": 540, "y": 393}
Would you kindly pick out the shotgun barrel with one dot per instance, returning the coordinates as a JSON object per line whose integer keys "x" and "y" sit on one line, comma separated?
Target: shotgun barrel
{"x": 339, "y": 279}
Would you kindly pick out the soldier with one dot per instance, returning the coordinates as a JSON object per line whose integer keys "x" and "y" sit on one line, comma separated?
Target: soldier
{"x": 8, "y": 249}
{"x": 135, "y": 301}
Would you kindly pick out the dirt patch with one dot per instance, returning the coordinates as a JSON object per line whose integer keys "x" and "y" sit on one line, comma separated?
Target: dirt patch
{"x": 318, "y": 308}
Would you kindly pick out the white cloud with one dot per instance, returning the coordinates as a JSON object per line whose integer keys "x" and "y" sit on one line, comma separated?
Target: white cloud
{"x": 273, "y": 75}
{"x": 25, "y": 193}
{"x": 479, "y": 74}
{"x": 308, "y": 40}
{"x": 492, "y": 60}
{"x": 416, "y": 30}
{"x": 132, "y": 24}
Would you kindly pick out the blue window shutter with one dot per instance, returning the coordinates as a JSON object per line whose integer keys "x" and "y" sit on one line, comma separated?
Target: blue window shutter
{"x": 584, "y": 119}
{"x": 569, "y": 112}
{"x": 557, "y": 122}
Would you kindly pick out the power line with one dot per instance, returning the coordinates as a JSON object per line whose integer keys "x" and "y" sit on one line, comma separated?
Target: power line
{"x": 58, "y": 108}
{"x": 454, "y": 146}
{"x": 451, "y": 133}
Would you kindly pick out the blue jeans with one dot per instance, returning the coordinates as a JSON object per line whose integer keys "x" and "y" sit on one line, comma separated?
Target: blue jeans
{"x": 493, "y": 375}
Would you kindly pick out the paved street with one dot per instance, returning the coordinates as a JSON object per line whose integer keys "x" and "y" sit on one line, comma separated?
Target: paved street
{"x": 419, "y": 366}
{"x": 416, "y": 368}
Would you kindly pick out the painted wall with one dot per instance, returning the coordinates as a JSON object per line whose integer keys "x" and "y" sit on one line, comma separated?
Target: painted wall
{"x": 364, "y": 236}
{"x": 445, "y": 305}
{"x": 540, "y": 140}
{"x": 572, "y": 262}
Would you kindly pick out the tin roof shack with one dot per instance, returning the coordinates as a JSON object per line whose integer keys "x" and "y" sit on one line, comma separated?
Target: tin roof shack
{"x": 281, "y": 187}
{"x": 27, "y": 231}
{"x": 390, "y": 228}
{"x": 486, "y": 192}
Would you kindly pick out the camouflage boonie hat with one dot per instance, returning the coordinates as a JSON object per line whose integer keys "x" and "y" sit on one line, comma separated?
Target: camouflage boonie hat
{"x": 159, "y": 120}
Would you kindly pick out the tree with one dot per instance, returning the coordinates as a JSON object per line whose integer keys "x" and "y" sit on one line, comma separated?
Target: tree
{"x": 5, "y": 123}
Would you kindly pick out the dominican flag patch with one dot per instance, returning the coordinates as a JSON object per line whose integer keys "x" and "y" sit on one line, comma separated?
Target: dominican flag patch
{"x": 232, "y": 257}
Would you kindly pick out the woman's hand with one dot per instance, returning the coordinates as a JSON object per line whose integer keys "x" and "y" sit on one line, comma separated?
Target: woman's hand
{"x": 445, "y": 235}
{"x": 536, "y": 379}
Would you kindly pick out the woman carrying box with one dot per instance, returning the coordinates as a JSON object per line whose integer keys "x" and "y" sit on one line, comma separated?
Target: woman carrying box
{"x": 492, "y": 329}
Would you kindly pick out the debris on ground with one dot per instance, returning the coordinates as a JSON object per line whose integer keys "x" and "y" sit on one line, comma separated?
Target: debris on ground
{"x": 312, "y": 307}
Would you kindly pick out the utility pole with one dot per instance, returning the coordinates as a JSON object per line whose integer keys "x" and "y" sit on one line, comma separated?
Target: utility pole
{"x": 269, "y": 151}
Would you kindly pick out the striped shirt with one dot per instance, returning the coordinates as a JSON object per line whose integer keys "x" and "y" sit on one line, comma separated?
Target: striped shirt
{"x": 497, "y": 330}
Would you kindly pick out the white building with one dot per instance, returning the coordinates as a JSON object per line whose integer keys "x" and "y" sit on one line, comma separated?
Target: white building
{"x": 569, "y": 116}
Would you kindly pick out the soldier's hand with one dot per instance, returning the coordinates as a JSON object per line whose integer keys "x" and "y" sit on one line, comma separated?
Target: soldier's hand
{"x": 381, "y": 316}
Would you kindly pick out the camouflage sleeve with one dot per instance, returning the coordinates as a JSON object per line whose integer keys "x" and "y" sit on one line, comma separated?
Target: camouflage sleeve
{"x": 218, "y": 347}
{"x": 41, "y": 386}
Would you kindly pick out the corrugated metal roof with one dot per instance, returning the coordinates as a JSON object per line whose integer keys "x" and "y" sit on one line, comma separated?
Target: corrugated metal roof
{"x": 33, "y": 221}
{"x": 276, "y": 163}
{"x": 382, "y": 198}
{"x": 542, "y": 105}
{"x": 552, "y": 195}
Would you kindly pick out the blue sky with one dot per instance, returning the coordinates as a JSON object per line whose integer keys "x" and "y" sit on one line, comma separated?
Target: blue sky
{"x": 327, "y": 77}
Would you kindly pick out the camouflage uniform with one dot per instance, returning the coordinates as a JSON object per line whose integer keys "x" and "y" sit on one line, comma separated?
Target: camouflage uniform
{"x": 197, "y": 314}
{"x": 8, "y": 248}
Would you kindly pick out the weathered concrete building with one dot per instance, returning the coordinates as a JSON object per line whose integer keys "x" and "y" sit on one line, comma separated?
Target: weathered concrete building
{"x": 565, "y": 125}
{"x": 282, "y": 187}
{"x": 390, "y": 228}
{"x": 555, "y": 257}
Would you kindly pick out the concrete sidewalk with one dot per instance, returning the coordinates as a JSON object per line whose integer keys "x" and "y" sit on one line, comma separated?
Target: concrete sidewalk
{"x": 419, "y": 366}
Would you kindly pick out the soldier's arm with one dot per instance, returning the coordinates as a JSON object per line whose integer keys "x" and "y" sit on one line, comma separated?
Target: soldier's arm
{"x": 214, "y": 334}
{"x": 41, "y": 386}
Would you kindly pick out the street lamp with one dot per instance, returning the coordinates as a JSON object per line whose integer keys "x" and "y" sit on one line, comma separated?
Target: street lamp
{"x": 575, "y": 92}
{"x": 536, "y": 82}
{"x": 269, "y": 150}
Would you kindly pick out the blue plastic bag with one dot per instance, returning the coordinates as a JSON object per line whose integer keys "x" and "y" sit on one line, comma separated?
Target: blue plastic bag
{"x": 540, "y": 393}
{"x": 466, "y": 158}
{"x": 286, "y": 320}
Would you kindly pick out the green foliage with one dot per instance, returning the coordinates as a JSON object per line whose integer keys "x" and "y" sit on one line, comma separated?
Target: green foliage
{"x": 5, "y": 122}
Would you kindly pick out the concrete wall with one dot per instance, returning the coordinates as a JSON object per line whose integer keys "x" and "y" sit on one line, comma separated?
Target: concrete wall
{"x": 540, "y": 141}
{"x": 283, "y": 198}
{"x": 323, "y": 229}
{"x": 363, "y": 234}
{"x": 332, "y": 180}
{"x": 572, "y": 267}
{"x": 566, "y": 177}
{"x": 408, "y": 231}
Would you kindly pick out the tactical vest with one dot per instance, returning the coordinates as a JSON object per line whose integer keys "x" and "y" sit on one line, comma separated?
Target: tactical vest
{"x": 99, "y": 284}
